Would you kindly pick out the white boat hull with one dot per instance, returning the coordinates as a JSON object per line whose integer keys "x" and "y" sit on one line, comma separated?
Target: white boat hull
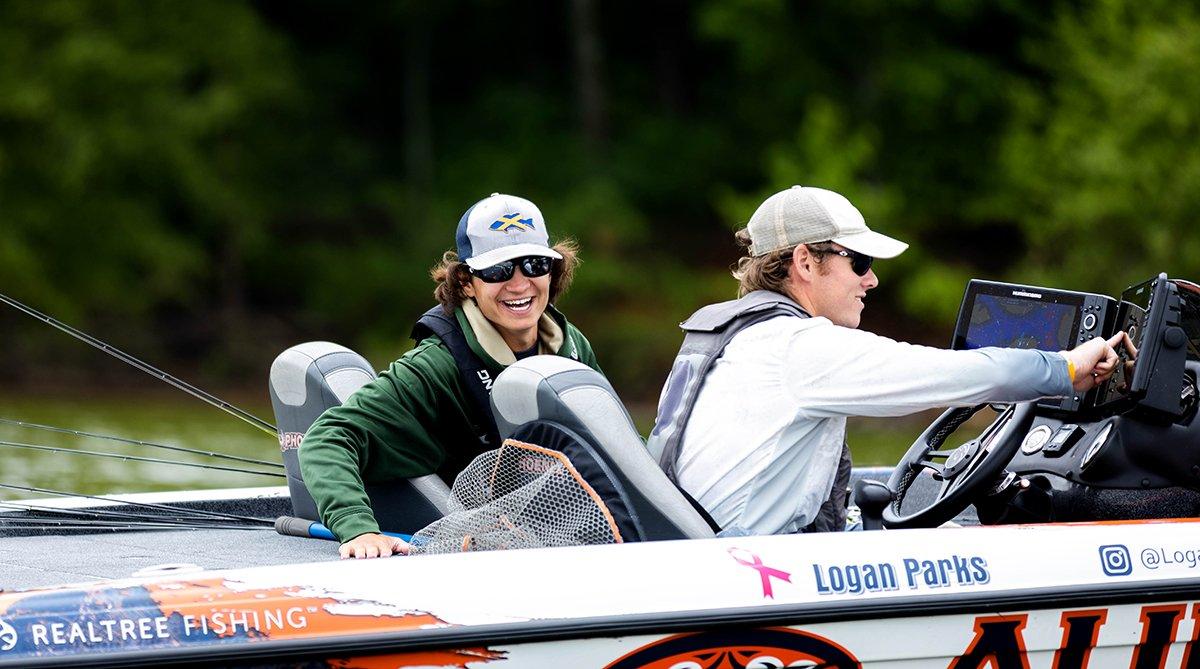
{"x": 1080, "y": 595}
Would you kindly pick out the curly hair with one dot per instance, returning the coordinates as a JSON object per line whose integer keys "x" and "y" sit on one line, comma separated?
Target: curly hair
{"x": 451, "y": 275}
{"x": 770, "y": 270}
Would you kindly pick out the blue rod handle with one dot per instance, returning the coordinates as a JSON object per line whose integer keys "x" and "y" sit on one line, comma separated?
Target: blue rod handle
{"x": 300, "y": 527}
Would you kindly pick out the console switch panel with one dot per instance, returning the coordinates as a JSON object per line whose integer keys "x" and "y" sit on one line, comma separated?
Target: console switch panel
{"x": 1063, "y": 440}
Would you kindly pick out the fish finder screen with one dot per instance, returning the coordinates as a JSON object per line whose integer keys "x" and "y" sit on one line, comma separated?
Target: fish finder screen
{"x": 1013, "y": 322}
{"x": 1135, "y": 302}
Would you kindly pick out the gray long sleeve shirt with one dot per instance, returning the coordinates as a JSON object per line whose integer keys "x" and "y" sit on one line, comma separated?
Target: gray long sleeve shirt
{"x": 761, "y": 449}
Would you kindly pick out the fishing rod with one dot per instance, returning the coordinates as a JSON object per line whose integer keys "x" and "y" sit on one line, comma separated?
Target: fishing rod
{"x": 143, "y": 523}
{"x": 118, "y": 456}
{"x": 138, "y": 364}
{"x": 146, "y": 505}
{"x": 47, "y": 526}
{"x": 138, "y": 442}
{"x": 98, "y": 514}
{"x": 291, "y": 526}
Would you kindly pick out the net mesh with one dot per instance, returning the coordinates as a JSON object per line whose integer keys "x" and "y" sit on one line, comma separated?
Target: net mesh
{"x": 518, "y": 496}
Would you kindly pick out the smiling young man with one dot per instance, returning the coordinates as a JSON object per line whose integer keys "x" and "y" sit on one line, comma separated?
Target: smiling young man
{"x": 428, "y": 412}
{"x": 752, "y": 420}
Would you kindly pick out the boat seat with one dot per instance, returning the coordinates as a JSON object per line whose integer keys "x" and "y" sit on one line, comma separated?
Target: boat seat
{"x": 551, "y": 400}
{"x": 306, "y": 380}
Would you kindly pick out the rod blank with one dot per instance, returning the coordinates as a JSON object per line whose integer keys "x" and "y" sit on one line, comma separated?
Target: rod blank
{"x": 138, "y": 364}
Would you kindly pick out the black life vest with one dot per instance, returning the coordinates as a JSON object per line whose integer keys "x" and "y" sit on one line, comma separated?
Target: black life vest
{"x": 475, "y": 375}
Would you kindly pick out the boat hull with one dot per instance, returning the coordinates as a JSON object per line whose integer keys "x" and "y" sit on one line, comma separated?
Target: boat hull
{"x": 1079, "y": 595}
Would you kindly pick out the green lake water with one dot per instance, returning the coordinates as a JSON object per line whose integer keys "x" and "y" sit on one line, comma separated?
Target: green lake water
{"x": 180, "y": 421}
{"x": 159, "y": 419}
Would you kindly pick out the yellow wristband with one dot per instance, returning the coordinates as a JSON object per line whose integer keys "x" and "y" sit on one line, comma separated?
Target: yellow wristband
{"x": 1071, "y": 370}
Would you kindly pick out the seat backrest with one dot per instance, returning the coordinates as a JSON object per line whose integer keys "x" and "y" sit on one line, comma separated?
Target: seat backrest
{"x": 555, "y": 391}
{"x": 306, "y": 380}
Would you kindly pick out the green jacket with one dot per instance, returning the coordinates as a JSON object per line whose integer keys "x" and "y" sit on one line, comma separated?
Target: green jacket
{"x": 415, "y": 419}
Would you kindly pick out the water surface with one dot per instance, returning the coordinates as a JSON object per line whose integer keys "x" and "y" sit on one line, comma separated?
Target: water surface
{"x": 154, "y": 418}
{"x": 181, "y": 421}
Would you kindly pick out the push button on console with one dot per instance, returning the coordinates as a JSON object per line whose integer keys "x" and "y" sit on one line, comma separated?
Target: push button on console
{"x": 1063, "y": 440}
{"x": 1089, "y": 321}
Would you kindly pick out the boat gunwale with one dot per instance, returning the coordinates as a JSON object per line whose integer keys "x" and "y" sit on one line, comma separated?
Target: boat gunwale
{"x": 674, "y": 622}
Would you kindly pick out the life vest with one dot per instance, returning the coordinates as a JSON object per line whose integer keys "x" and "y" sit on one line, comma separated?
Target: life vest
{"x": 475, "y": 375}
{"x": 707, "y": 332}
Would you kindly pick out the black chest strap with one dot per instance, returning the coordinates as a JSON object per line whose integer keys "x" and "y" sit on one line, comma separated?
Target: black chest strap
{"x": 475, "y": 375}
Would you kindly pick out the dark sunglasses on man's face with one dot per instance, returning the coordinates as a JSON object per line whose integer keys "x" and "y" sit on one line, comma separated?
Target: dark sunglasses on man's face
{"x": 860, "y": 263}
{"x": 531, "y": 266}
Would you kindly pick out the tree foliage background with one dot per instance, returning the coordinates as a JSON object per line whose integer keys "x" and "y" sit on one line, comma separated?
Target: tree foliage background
{"x": 205, "y": 184}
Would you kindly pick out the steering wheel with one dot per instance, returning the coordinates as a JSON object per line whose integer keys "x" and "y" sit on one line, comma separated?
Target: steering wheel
{"x": 965, "y": 472}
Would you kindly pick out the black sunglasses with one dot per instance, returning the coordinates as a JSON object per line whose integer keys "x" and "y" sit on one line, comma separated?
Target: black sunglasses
{"x": 860, "y": 263}
{"x": 531, "y": 266}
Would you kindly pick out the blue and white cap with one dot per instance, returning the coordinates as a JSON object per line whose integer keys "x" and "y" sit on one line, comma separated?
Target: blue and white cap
{"x": 502, "y": 227}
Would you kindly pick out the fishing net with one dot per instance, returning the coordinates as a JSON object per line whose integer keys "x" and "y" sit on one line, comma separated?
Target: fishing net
{"x": 518, "y": 496}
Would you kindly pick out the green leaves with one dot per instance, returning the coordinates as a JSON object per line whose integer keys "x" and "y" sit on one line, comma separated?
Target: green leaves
{"x": 250, "y": 175}
{"x": 131, "y": 137}
{"x": 1102, "y": 160}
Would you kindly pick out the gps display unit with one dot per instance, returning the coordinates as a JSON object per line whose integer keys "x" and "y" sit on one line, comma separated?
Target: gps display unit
{"x": 1018, "y": 316}
{"x": 1160, "y": 317}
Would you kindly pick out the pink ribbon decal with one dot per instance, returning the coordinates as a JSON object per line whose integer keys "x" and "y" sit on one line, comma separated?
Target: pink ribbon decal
{"x": 764, "y": 572}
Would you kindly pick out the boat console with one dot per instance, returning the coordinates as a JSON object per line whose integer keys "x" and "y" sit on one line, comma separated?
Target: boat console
{"x": 1016, "y": 316}
{"x": 1128, "y": 449}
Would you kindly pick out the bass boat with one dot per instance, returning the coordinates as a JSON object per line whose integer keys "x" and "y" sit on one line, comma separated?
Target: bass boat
{"x": 1065, "y": 535}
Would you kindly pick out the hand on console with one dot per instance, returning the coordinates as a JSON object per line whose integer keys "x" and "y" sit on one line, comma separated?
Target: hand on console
{"x": 1096, "y": 360}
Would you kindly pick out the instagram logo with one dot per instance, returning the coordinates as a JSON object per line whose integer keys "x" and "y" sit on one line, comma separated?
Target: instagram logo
{"x": 1115, "y": 560}
{"x": 8, "y": 636}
